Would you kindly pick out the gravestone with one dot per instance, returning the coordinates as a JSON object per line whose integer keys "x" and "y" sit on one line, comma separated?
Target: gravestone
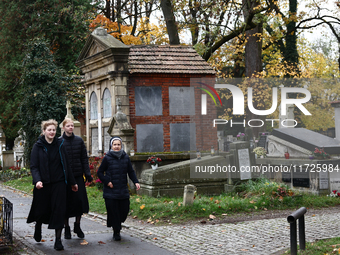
{"x": 287, "y": 121}
{"x": 18, "y": 150}
{"x": 263, "y": 140}
{"x": 120, "y": 126}
{"x": 243, "y": 160}
{"x": 188, "y": 195}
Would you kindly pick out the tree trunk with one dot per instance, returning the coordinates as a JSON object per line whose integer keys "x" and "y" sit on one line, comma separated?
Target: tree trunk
{"x": 291, "y": 55}
{"x": 170, "y": 22}
{"x": 253, "y": 59}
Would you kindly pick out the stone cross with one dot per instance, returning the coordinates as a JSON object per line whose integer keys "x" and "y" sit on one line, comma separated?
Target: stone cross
{"x": 68, "y": 107}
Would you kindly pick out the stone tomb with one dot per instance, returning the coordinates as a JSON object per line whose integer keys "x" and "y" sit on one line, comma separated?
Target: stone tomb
{"x": 301, "y": 170}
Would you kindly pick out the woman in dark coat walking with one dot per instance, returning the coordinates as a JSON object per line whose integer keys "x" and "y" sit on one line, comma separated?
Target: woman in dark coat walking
{"x": 77, "y": 202}
{"x": 113, "y": 171}
{"x": 50, "y": 173}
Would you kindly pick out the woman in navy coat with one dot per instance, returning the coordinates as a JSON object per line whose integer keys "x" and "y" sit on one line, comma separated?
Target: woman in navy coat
{"x": 113, "y": 171}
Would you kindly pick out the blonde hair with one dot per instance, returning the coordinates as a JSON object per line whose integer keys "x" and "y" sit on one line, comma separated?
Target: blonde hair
{"x": 46, "y": 123}
{"x": 67, "y": 120}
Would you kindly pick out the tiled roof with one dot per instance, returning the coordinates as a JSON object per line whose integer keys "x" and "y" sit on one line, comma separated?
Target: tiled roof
{"x": 167, "y": 59}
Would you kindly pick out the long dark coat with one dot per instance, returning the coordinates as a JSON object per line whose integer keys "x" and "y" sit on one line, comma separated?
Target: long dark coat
{"x": 77, "y": 202}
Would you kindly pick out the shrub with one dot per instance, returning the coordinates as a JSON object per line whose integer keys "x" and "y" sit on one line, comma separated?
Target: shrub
{"x": 14, "y": 172}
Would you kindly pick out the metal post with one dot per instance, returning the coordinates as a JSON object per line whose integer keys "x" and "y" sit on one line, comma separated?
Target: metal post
{"x": 297, "y": 215}
{"x": 293, "y": 238}
{"x": 302, "y": 236}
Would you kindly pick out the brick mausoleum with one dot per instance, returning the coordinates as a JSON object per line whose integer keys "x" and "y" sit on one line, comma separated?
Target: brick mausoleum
{"x": 156, "y": 87}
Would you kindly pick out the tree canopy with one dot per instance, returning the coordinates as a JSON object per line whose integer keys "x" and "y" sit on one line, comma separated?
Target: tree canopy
{"x": 63, "y": 23}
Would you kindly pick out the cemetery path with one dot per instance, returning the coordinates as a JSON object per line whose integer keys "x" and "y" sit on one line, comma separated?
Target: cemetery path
{"x": 265, "y": 233}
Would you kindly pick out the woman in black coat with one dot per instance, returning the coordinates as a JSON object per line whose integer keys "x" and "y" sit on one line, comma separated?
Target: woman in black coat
{"x": 50, "y": 173}
{"x": 113, "y": 171}
{"x": 77, "y": 202}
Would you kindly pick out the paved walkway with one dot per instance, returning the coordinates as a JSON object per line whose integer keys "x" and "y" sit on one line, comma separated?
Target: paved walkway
{"x": 250, "y": 237}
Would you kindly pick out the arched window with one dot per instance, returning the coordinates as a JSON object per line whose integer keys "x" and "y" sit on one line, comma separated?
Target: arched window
{"x": 107, "y": 104}
{"x": 94, "y": 106}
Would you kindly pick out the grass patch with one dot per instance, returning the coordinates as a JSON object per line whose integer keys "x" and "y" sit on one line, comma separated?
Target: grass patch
{"x": 23, "y": 184}
{"x": 251, "y": 196}
{"x": 321, "y": 247}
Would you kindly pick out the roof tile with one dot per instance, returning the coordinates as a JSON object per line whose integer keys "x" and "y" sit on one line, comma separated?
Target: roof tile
{"x": 167, "y": 59}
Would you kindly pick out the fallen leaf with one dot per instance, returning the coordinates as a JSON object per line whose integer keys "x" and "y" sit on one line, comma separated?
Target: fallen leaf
{"x": 101, "y": 242}
{"x": 135, "y": 217}
{"x": 224, "y": 214}
{"x": 179, "y": 203}
{"x": 211, "y": 199}
{"x": 137, "y": 200}
{"x": 244, "y": 250}
{"x": 84, "y": 242}
{"x": 265, "y": 209}
{"x": 43, "y": 240}
{"x": 203, "y": 222}
{"x": 142, "y": 207}
{"x": 212, "y": 216}
{"x": 203, "y": 209}
{"x": 313, "y": 215}
{"x": 252, "y": 202}
{"x": 155, "y": 238}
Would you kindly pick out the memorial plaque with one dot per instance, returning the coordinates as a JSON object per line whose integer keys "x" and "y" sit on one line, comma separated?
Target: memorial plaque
{"x": 182, "y": 100}
{"x": 182, "y": 136}
{"x": 286, "y": 177}
{"x": 301, "y": 179}
{"x": 149, "y": 137}
{"x": 244, "y": 162}
{"x": 94, "y": 141}
{"x": 148, "y": 101}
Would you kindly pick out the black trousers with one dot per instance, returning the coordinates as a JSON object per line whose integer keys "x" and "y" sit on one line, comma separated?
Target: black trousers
{"x": 117, "y": 212}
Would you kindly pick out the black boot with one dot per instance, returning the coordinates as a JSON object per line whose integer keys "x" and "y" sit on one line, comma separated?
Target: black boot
{"x": 116, "y": 235}
{"x": 67, "y": 233}
{"x": 78, "y": 230}
{"x": 58, "y": 245}
{"x": 37, "y": 232}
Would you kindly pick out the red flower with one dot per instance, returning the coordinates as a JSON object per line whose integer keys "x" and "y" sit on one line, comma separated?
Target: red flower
{"x": 334, "y": 191}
